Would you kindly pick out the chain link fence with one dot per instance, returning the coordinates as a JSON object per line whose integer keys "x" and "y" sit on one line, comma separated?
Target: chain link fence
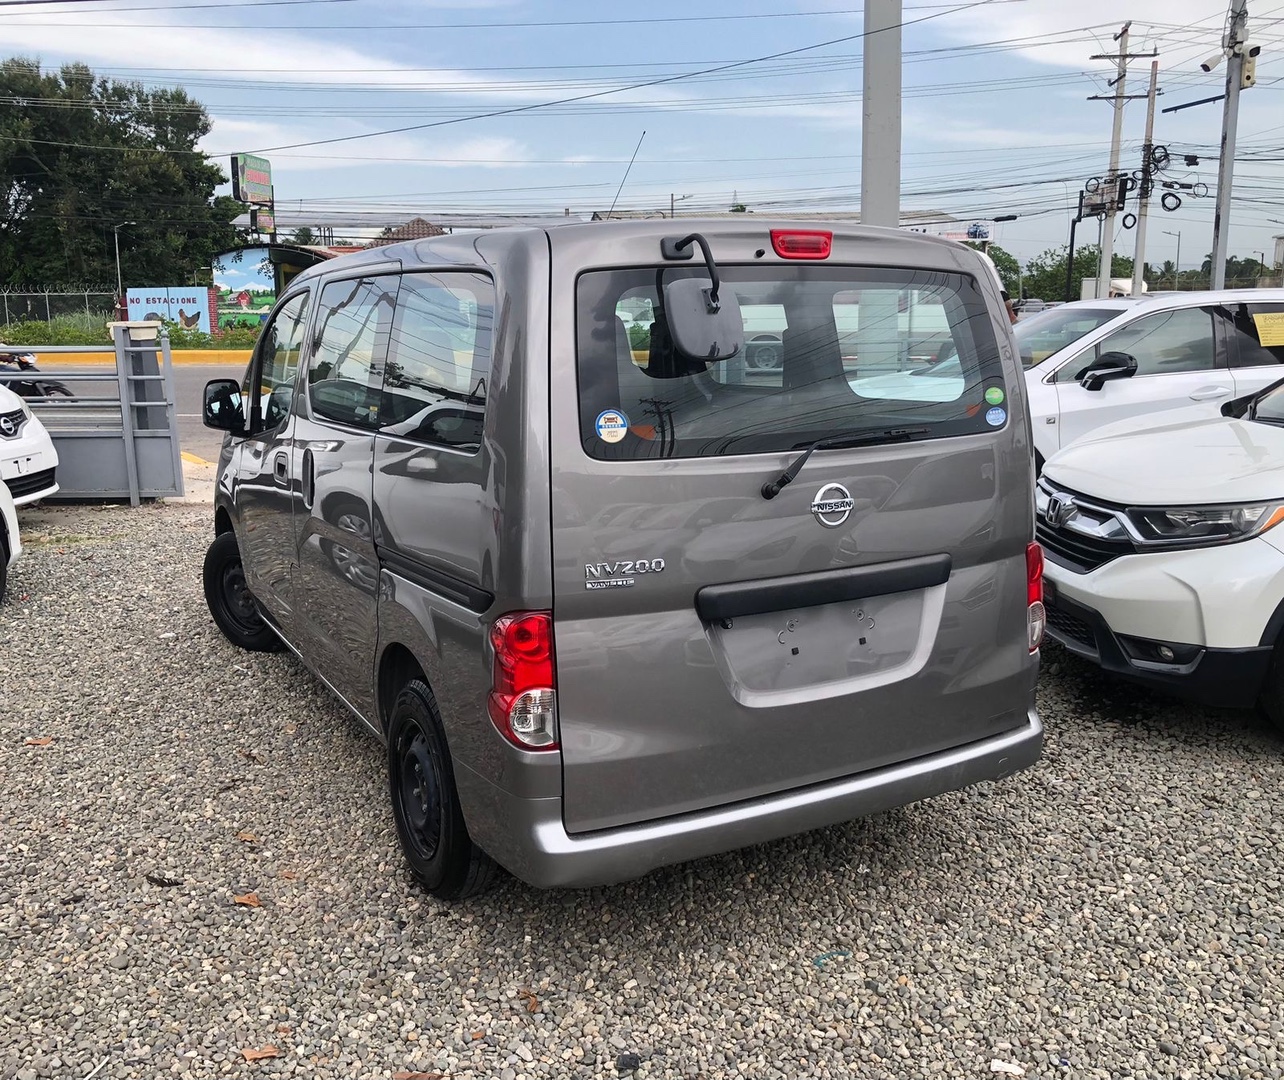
{"x": 92, "y": 307}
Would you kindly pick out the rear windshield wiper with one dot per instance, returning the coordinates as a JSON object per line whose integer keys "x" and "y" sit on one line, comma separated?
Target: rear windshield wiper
{"x": 864, "y": 438}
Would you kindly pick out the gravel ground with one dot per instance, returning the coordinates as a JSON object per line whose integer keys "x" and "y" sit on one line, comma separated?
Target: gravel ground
{"x": 1115, "y": 912}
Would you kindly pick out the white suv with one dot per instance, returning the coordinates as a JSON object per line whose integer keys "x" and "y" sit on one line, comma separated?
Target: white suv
{"x": 1094, "y": 362}
{"x": 10, "y": 541}
{"x": 1164, "y": 559}
{"x": 28, "y": 460}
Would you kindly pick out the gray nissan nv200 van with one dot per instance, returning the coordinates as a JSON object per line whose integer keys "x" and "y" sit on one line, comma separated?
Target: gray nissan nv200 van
{"x": 614, "y": 602}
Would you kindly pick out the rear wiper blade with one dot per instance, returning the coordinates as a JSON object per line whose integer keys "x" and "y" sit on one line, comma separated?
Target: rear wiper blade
{"x": 864, "y": 438}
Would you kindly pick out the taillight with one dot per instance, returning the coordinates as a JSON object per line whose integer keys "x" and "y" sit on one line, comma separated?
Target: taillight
{"x": 802, "y": 243}
{"x": 523, "y": 697}
{"x": 1036, "y": 615}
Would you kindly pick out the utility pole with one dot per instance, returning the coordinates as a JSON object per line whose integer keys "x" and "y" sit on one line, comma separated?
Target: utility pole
{"x": 880, "y": 167}
{"x": 1147, "y": 182}
{"x": 1236, "y": 34}
{"x": 1177, "y": 264}
{"x": 1113, "y": 179}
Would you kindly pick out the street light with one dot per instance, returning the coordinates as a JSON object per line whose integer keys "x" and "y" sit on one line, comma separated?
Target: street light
{"x": 1177, "y": 264}
{"x": 115, "y": 231}
{"x": 675, "y": 199}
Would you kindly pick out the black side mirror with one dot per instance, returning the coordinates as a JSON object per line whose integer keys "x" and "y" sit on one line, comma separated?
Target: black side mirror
{"x": 223, "y": 409}
{"x": 1111, "y": 365}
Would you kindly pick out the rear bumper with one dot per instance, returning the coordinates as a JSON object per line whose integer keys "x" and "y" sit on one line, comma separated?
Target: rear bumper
{"x": 527, "y": 837}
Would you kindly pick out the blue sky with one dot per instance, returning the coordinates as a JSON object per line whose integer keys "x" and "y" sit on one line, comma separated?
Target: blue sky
{"x": 996, "y": 119}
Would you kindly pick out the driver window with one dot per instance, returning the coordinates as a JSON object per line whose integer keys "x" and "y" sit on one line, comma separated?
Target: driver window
{"x": 279, "y": 347}
{"x": 1164, "y": 343}
{"x": 349, "y": 345}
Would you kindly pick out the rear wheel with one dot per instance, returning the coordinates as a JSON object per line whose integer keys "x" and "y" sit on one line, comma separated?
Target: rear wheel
{"x": 4, "y": 567}
{"x": 425, "y": 805}
{"x": 230, "y": 601}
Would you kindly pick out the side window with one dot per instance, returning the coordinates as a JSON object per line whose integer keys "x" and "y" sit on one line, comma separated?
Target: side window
{"x": 277, "y": 360}
{"x": 1162, "y": 344}
{"x": 349, "y": 343}
{"x": 438, "y": 367}
{"x": 1248, "y": 325}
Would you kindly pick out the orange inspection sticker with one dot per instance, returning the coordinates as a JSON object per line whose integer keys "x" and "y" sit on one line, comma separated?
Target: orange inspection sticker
{"x": 1270, "y": 328}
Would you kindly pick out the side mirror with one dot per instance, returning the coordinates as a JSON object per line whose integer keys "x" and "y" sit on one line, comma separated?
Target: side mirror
{"x": 704, "y": 322}
{"x": 223, "y": 409}
{"x": 1111, "y": 365}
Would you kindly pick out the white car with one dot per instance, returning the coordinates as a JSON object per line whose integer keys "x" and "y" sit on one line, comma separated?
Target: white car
{"x": 1164, "y": 559}
{"x": 28, "y": 460}
{"x": 10, "y": 542}
{"x": 1169, "y": 351}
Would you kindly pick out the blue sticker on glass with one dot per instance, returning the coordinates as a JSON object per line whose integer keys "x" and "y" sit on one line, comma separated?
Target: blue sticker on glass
{"x": 996, "y": 416}
{"x": 612, "y": 425}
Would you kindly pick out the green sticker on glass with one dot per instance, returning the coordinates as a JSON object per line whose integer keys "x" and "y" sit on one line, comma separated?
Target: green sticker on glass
{"x": 994, "y": 395}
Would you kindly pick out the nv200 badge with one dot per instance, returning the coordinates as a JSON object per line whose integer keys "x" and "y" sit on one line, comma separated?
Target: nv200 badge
{"x": 618, "y": 575}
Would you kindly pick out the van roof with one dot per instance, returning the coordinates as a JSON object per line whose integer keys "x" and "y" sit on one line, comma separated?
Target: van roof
{"x": 461, "y": 247}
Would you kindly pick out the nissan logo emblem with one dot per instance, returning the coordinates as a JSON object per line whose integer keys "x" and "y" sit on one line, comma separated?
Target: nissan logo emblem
{"x": 7, "y": 426}
{"x": 832, "y": 505}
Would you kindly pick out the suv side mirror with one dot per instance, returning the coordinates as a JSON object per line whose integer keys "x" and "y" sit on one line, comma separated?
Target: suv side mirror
{"x": 223, "y": 409}
{"x": 1111, "y": 365}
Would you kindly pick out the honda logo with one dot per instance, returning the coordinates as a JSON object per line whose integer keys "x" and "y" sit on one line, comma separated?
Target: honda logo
{"x": 1060, "y": 509}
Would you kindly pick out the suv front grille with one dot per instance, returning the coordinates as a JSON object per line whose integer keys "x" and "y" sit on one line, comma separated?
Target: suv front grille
{"x": 15, "y": 421}
{"x": 30, "y": 483}
{"x": 1082, "y": 553}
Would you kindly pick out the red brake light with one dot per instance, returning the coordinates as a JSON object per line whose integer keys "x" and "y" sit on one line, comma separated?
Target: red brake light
{"x": 523, "y": 698}
{"x": 1036, "y": 614}
{"x": 802, "y": 243}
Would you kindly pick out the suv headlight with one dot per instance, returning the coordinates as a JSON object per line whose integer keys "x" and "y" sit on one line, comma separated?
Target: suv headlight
{"x": 1205, "y": 524}
{"x": 26, "y": 409}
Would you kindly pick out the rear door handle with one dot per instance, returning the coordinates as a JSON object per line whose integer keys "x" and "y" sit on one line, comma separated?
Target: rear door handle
{"x": 281, "y": 468}
{"x": 1210, "y": 393}
{"x": 309, "y": 478}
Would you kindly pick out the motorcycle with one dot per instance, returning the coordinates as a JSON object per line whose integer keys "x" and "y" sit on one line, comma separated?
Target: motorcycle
{"x": 13, "y": 362}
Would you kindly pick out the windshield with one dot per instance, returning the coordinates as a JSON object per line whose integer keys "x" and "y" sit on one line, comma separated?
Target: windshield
{"x": 828, "y": 353}
{"x": 1052, "y": 330}
{"x": 1269, "y": 409}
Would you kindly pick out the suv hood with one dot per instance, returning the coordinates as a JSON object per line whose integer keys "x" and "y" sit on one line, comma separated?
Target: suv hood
{"x": 1185, "y": 460}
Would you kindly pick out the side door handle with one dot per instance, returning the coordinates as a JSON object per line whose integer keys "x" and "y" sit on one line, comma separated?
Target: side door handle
{"x": 281, "y": 468}
{"x": 309, "y": 478}
{"x": 1210, "y": 393}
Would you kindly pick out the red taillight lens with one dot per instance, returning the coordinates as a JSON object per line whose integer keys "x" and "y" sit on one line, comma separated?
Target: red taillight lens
{"x": 523, "y": 698}
{"x": 801, "y": 243}
{"x": 1036, "y": 614}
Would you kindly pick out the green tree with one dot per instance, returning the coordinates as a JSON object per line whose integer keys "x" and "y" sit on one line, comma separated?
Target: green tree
{"x": 1007, "y": 265}
{"x": 1045, "y": 274}
{"x": 303, "y": 235}
{"x": 80, "y": 155}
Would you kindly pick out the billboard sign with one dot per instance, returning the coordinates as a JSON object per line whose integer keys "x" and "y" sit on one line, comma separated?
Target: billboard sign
{"x": 262, "y": 220}
{"x": 252, "y": 179}
{"x": 246, "y": 284}
{"x": 186, "y": 305}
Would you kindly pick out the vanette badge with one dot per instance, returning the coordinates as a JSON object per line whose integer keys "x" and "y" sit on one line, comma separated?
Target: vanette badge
{"x": 832, "y": 505}
{"x": 619, "y": 575}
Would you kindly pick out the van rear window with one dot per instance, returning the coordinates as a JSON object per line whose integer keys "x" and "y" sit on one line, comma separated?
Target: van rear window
{"x": 828, "y": 351}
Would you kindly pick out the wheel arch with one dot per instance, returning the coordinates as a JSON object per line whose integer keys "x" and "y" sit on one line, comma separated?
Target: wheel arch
{"x": 397, "y": 667}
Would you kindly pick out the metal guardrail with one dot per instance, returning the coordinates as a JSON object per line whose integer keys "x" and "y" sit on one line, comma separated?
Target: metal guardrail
{"x": 121, "y": 444}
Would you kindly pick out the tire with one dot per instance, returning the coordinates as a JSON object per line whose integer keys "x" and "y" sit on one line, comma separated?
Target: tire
{"x": 57, "y": 389}
{"x": 4, "y": 568}
{"x": 230, "y": 602}
{"x": 1270, "y": 702}
{"x": 425, "y": 804}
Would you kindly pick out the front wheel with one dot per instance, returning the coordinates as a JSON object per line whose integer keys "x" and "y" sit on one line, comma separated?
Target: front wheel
{"x": 230, "y": 601}
{"x": 1271, "y": 701}
{"x": 425, "y": 804}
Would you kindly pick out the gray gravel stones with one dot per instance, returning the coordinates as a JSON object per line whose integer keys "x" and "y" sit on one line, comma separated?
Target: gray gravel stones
{"x": 1115, "y": 912}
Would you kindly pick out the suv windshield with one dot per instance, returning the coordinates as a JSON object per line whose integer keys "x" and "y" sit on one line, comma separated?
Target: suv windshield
{"x": 1269, "y": 409}
{"x": 827, "y": 353}
{"x": 1050, "y": 331}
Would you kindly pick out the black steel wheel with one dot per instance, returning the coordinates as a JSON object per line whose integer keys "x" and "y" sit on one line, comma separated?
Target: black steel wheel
{"x": 230, "y": 601}
{"x": 425, "y": 804}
